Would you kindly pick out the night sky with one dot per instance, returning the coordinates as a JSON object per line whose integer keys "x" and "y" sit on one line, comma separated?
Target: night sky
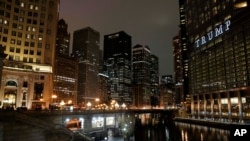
{"x": 149, "y": 22}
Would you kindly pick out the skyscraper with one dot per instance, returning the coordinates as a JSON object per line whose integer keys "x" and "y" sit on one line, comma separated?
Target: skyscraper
{"x": 62, "y": 39}
{"x": 28, "y": 33}
{"x": 141, "y": 63}
{"x": 65, "y": 70}
{"x": 219, "y": 40}
{"x": 154, "y": 75}
{"x": 86, "y": 49}
{"x": 181, "y": 59}
{"x": 117, "y": 65}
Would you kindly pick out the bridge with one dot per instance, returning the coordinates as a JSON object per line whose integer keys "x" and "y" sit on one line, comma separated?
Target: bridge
{"x": 70, "y": 125}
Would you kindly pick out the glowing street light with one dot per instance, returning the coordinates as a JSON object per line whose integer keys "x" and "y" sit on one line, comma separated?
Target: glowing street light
{"x": 89, "y": 105}
{"x": 62, "y": 103}
{"x": 123, "y": 105}
{"x": 53, "y": 98}
{"x": 116, "y": 105}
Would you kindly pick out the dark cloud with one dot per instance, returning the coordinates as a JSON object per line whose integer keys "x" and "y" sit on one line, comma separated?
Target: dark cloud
{"x": 149, "y": 22}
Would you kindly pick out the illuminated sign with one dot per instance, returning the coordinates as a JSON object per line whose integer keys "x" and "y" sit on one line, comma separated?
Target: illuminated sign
{"x": 213, "y": 33}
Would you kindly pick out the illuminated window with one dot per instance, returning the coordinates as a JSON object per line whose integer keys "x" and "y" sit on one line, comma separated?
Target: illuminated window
{"x": 27, "y": 36}
{"x": 22, "y": 4}
{"x": 5, "y": 22}
{"x": 31, "y": 6}
{"x": 40, "y": 38}
{"x": 240, "y": 5}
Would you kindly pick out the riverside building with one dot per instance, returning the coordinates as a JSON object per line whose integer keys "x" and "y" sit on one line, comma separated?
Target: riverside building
{"x": 219, "y": 61}
{"x": 27, "y": 35}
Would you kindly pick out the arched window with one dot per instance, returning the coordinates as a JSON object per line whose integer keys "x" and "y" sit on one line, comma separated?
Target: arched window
{"x": 11, "y": 83}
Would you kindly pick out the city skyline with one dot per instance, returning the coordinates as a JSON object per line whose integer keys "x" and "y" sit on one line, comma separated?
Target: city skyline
{"x": 149, "y": 23}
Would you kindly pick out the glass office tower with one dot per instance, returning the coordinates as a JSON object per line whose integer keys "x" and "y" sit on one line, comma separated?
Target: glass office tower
{"x": 117, "y": 65}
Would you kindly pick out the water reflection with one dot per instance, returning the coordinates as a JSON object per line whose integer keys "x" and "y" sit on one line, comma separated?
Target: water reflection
{"x": 181, "y": 132}
{"x": 188, "y": 132}
{"x": 150, "y": 134}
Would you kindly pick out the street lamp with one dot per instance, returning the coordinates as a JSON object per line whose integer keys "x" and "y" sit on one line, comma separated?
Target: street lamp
{"x": 53, "y": 98}
{"x": 116, "y": 105}
{"x": 62, "y": 103}
{"x": 97, "y": 99}
{"x": 123, "y": 106}
{"x": 89, "y": 105}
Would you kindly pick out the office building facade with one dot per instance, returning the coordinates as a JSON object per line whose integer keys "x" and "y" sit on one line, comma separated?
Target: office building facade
{"x": 141, "y": 64}
{"x": 65, "y": 70}
{"x": 167, "y": 92}
{"x": 117, "y": 66}
{"x": 27, "y": 34}
{"x": 154, "y": 80}
{"x": 87, "y": 51}
{"x": 219, "y": 43}
{"x": 181, "y": 63}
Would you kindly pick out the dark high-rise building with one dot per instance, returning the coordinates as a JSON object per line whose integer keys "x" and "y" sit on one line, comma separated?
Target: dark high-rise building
{"x": 167, "y": 92}
{"x": 62, "y": 39}
{"x": 65, "y": 71}
{"x": 28, "y": 36}
{"x": 86, "y": 50}
{"x": 141, "y": 63}
{"x": 178, "y": 69}
{"x": 154, "y": 81}
{"x": 145, "y": 77}
{"x": 117, "y": 65}
{"x": 219, "y": 41}
{"x": 181, "y": 59}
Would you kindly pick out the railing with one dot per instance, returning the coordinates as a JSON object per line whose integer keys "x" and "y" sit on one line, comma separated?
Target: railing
{"x": 97, "y": 111}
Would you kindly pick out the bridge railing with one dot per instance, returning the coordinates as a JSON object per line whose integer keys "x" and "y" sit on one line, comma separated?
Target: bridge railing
{"x": 96, "y": 111}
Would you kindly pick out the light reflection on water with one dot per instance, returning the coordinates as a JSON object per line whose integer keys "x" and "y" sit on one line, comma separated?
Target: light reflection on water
{"x": 190, "y": 132}
{"x": 182, "y": 132}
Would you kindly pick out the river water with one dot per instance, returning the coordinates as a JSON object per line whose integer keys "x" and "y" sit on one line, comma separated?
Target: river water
{"x": 181, "y": 132}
